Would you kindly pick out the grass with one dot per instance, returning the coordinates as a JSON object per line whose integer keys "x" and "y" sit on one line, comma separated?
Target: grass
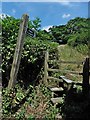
{"x": 67, "y": 53}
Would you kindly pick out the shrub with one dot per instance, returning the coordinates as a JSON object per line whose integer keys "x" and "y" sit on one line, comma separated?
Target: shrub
{"x": 32, "y": 56}
{"x": 82, "y": 49}
{"x": 78, "y": 39}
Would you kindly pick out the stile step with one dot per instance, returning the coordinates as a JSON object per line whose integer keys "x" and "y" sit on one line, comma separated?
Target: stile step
{"x": 66, "y": 80}
{"x": 56, "y": 89}
{"x": 57, "y": 100}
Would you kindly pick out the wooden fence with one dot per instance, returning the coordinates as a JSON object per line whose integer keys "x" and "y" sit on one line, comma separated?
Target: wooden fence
{"x": 85, "y": 73}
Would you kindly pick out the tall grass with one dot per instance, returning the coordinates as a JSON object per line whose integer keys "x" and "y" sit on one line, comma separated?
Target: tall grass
{"x": 68, "y": 53}
{"x": 83, "y": 49}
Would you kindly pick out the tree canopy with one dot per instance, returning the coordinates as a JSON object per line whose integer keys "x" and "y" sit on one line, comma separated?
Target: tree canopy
{"x": 74, "y": 32}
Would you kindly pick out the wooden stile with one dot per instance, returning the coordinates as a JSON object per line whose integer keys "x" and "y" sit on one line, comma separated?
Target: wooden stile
{"x": 85, "y": 73}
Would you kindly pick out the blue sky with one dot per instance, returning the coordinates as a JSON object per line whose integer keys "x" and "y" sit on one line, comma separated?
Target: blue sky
{"x": 50, "y": 13}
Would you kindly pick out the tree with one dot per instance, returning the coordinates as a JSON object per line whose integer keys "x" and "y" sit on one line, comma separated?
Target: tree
{"x": 75, "y": 31}
{"x": 36, "y": 24}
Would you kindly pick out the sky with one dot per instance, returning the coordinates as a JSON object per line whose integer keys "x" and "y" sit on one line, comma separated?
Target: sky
{"x": 50, "y": 13}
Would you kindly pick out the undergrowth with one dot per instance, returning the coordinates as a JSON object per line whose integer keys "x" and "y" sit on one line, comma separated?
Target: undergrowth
{"x": 36, "y": 104}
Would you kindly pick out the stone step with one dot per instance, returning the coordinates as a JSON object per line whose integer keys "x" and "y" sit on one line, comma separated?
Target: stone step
{"x": 56, "y": 89}
{"x": 57, "y": 100}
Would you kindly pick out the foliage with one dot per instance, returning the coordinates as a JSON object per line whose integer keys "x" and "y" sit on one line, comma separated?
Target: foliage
{"x": 36, "y": 24}
{"x": 7, "y": 101}
{"x": 78, "y": 38}
{"x": 33, "y": 50}
{"x": 74, "y": 32}
{"x": 36, "y": 105}
{"x": 44, "y": 35}
{"x": 82, "y": 49}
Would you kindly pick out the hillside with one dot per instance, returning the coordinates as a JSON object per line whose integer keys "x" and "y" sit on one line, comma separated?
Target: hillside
{"x": 74, "y": 32}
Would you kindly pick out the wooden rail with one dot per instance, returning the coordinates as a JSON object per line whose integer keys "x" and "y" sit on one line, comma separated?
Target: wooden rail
{"x": 65, "y": 62}
{"x": 47, "y": 69}
{"x": 53, "y": 78}
{"x": 64, "y": 71}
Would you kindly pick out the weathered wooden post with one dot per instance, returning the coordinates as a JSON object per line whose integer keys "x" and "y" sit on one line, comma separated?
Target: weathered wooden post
{"x": 86, "y": 77}
{"x": 18, "y": 51}
{"x": 46, "y": 67}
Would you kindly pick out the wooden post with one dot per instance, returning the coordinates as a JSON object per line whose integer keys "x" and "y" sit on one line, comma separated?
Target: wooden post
{"x": 18, "y": 51}
{"x": 46, "y": 67}
{"x": 86, "y": 77}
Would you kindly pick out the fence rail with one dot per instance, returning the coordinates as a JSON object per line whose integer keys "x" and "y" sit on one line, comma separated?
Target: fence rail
{"x": 66, "y": 62}
{"x": 53, "y": 78}
{"x": 64, "y": 71}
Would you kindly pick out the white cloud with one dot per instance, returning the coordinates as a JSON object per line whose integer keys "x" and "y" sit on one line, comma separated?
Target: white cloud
{"x": 3, "y": 15}
{"x": 69, "y": 3}
{"x": 66, "y": 15}
{"x": 47, "y": 28}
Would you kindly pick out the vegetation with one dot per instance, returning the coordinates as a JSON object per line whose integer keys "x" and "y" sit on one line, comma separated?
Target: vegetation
{"x": 74, "y": 32}
{"x": 30, "y": 98}
{"x": 33, "y": 51}
{"x": 34, "y": 105}
{"x": 31, "y": 62}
